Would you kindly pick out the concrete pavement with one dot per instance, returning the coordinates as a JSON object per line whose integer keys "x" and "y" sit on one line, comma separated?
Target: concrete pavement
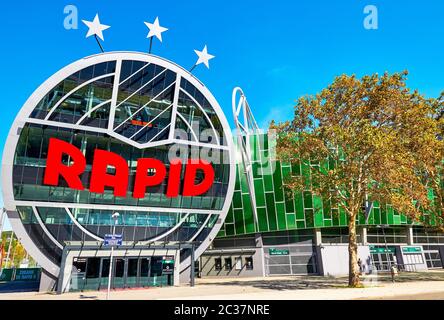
{"x": 414, "y": 286}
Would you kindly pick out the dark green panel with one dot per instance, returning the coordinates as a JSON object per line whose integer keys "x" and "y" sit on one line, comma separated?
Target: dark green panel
{"x": 262, "y": 217}
{"x": 268, "y": 183}
{"x": 342, "y": 217}
{"x": 259, "y": 192}
{"x": 377, "y": 216}
{"x": 296, "y": 169}
{"x": 289, "y": 202}
{"x": 239, "y": 221}
{"x": 299, "y": 205}
{"x": 237, "y": 199}
{"x": 309, "y": 219}
{"x": 249, "y": 222}
{"x": 271, "y": 211}
{"x": 300, "y": 224}
{"x": 308, "y": 201}
{"x": 280, "y": 210}
{"x": 229, "y": 230}
{"x": 278, "y": 185}
{"x": 230, "y": 217}
{"x": 291, "y": 221}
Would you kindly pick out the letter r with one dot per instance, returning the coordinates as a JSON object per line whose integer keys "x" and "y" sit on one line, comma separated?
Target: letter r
{"x": 55, "y": 167}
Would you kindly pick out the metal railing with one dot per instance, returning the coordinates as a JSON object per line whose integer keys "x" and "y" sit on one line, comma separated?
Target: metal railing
{"x": 401, "y": 267}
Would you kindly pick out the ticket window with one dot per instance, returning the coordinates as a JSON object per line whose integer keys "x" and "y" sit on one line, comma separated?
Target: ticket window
{"x": 218, "y": 264}
{"x": 249, "y": 263}
{"x": 228, "y": 264}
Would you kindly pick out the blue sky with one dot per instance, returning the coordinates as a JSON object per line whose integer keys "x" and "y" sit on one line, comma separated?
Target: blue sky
{"x": 277, "y": 51}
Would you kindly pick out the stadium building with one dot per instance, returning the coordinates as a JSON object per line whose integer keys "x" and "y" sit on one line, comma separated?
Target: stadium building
{"x": 271, "y": 231}
{"x": 61, "y": 195}
{"x": 230, "y": 213}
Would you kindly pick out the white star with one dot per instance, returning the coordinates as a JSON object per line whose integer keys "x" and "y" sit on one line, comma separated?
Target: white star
{"x": 155, "y": 29}
{"x": 95, "y": 27}
{"x": 204, "y": 57}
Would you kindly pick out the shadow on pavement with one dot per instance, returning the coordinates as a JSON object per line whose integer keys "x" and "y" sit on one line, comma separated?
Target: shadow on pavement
{"x": 287, "y": 284}
{"x": 317, "y": 282}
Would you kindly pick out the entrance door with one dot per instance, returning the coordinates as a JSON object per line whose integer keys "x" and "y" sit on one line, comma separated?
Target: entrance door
{"x": 382, "y": 261}
{"x": 119, "y": 273}
{"x": 104, "y": 274}
{"x": 132, "y": 275}
{"x": 92, "y": 274}
{"x": 145, "y": 279}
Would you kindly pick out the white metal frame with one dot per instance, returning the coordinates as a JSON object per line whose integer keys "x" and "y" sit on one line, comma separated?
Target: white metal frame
{"x": 23, "y": 117}
{"x": 245, "y": 128}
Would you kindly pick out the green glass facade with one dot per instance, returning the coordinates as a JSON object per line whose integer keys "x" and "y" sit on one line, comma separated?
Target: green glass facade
{"x": 279, "y": 209}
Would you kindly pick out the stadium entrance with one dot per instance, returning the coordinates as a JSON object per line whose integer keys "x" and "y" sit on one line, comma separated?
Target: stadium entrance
{"x": 127, "y": 272}
{"x": 86, "y": 266}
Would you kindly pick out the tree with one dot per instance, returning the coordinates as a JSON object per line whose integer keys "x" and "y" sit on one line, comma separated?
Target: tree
{"x": 359, "y": 138}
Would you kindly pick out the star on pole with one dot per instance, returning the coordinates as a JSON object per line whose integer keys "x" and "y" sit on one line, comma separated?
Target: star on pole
{"x": 155, "y": 29}
{"x": 204, "y": 57}
{"x": 95, "y": 27}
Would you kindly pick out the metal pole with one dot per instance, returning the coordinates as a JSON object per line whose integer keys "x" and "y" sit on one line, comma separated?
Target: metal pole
{"x": 192, "y": 266}
{"x": 115, "y": 217}
{"x": 111, "y": 263}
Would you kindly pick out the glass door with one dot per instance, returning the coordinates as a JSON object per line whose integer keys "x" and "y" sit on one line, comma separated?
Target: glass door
{"x": 119, "y": 273}
{"x": 144, "y": 280}
{"x": 104, "y": 273}
{"x": 132, "y": 273}
{"x": 92, "y": 274}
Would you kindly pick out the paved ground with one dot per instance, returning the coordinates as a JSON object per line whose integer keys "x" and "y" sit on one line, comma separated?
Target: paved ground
{"x": 428, "y": 285}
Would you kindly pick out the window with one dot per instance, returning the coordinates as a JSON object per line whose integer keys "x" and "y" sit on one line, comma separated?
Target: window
{"x": 228, "y": 265}
{"x": 249, "y": 263}
{"x": 217, "y": 264}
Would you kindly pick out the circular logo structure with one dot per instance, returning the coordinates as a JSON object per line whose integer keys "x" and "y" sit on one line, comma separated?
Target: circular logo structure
{"x": 118, "y": 132}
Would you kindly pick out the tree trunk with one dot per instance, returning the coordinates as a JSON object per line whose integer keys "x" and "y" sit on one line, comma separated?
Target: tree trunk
{"x": 353, "y": 273}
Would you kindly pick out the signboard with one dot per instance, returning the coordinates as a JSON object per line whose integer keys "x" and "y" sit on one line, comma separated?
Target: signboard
{"x": 374, "y": 249}
{"x": 278, "y": 252}
{"x": 29, "y": 274}
{"x": 6, "y": 274}
{"x": 167, "y": 264}
{"x": 112, "y": 240}
{"x": 411, "y": 249}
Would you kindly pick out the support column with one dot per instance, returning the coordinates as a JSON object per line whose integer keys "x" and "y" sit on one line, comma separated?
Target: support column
{"x": 176, "y": 275}
{"x": 364, "y": 236}
{"x": 409, "y": 231}
{"x": 317, "y": 237}
{"x": 260, "y": 247}
{"x": 61, "y": 280}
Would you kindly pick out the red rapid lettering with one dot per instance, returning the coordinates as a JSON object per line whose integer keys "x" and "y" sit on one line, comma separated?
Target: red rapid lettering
{"x": 55, "y": 167}
{"x": 190, "y": 189}
{"x": 143, "y": 180}
{"x": 100, "y": 178}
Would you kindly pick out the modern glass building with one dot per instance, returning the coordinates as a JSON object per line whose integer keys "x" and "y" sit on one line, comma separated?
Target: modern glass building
{"x": 136, "y": 106}
{"x": 279, "y": 232}
{"x": 246, "y": 223}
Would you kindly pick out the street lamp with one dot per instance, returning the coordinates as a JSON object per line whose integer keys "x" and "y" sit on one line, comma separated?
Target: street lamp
{"x": 115, "y": 217}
